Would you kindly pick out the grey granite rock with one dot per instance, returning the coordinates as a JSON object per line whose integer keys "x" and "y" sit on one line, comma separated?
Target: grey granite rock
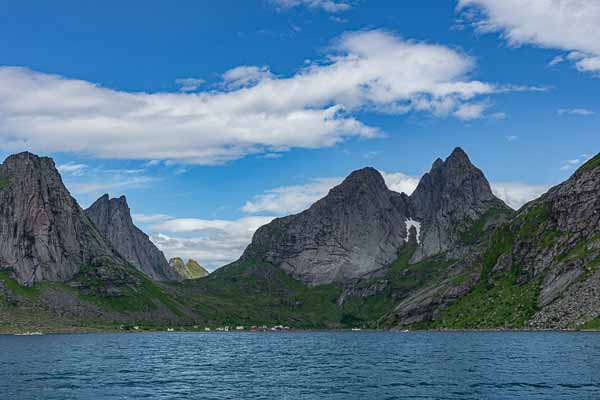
{"x": 113, "y": 219}
{"x": 44, "y": 234}
{"x": 449, "y": 198}
{"x": 357, "y": 229}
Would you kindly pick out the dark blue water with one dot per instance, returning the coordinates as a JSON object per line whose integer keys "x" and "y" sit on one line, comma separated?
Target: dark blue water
{"x": 352, "y": 365}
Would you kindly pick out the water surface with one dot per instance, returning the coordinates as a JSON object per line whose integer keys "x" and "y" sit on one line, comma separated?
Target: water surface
{"x": 295, "y": 365}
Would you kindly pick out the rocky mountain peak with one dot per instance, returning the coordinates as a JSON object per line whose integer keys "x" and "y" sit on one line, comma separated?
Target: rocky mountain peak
{"x": 113, "y": 218}
{"x": 451, "y": 196}
{"x": 357, "y": 229}
{"x": 45, "y": 234}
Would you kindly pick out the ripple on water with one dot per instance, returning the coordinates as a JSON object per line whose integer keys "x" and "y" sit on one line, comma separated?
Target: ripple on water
{"x": 386, "y": 365}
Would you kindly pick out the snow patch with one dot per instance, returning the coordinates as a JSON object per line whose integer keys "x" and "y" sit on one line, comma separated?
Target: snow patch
{"x": 410, "y": 223}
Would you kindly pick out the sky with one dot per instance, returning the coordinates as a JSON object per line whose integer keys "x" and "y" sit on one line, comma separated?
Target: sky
{"x": 212, "y": 118}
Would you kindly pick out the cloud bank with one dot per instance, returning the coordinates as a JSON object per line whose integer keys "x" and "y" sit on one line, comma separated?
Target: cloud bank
{"x": 253, "y": 111}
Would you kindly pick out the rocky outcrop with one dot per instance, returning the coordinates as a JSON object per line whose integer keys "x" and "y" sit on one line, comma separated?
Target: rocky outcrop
{"x": 112, "y": 217}
{"x": 189, "y": 270}
{"x": 357, "y": 229}
{"x": 44, "y": 234}
{"x": 449, "y": 199}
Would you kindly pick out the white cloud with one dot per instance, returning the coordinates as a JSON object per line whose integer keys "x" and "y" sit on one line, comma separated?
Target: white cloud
{"x": 569, "y": 25}
{"x": 72, "y": 168}
{"x": 399, "y": 182}
{"x": 332, "y": 6}
{"x": 515, "y": 194}
{"x": 189, "y": 84}
{"x": 575, "y": 111}
{"x": 469, "y": 112}
{"x": 214, "y": 242}
{"x": 150, "y": 218}
{"x": 290, "y": 199}
{"x": 511, "y": 138}
{"x": 245, "y": 76}
{"x": 372, "y": 70}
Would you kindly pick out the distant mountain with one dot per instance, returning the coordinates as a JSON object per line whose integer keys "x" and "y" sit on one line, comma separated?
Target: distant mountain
{"x": 45, "y": 235}
{"x": 113, "y": 219}
{"x": 189, "y": 270}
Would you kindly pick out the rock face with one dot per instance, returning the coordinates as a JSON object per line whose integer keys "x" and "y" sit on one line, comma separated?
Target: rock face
{"x": 112, "y": 217}
{"x": 189, "y": 270}
{"x": 448, "y": 199}
{"x": 559, "y": 245}
{"x": 44, "y": 234}
{"x": 356, "y": 230}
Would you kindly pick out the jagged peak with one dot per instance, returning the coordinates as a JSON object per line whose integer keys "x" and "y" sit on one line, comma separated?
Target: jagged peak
{"x": 367, "y": 175}
{"x": 28, "y": 157}
{"x": 458, "y": 154}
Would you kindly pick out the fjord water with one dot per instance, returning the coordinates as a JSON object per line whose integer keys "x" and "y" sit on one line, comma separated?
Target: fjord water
{"x": 302, "y": 365}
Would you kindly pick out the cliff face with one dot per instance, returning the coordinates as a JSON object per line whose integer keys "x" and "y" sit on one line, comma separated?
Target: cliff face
{"x": 540, "y": 269}
{"x": 447, "y": 201}
{"x": 44, "y": 234}
{"x": 112, "y": 217}
{"x": 356, "y": 230}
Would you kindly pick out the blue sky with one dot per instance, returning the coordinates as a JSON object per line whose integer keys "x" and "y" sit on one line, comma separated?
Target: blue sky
{"x": 213, "y": 117}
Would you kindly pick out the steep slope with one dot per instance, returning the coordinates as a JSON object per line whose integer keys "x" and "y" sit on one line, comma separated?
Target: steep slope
{"x": 541, "y": 269}
{"x": 356, "y": 230}
{"x": 189, "y": 270}
{"x": 113, "y": 219}
{"x": 448, "y": 201}
{"x": 44, "y": 234}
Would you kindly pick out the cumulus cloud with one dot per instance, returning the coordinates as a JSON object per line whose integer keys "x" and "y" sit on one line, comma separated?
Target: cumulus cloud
{"x": 188, "y": 84}
{"x": 569, "y": 25}
{"x": 213, "y": 243}
{"x": 72, "y": 168}
{"x": 290, "y": 199}
{"x": 332, "y": 6}
{"x": 399, "y": 182}
{"x": 469, "y": 112}
{"x": 515, "y": 194}
{"x": 245, "y": 75}
{"x": 316, "y": 107}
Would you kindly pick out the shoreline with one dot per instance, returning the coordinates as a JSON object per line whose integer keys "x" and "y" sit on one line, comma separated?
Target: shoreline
{"x": 83, "y": 330}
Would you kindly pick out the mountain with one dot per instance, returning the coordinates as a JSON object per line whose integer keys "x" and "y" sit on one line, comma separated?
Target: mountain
{"x": 189, "y": 270}
{"x": 447, "y": 201}
{"x": 112, "y": 217}
{"x": 356, "y": 230}
{"x": 360, "y": 227}
{"x": 450, "y": 256}
{"x": 539, "y": 269}
{"x": 45, "y": 235}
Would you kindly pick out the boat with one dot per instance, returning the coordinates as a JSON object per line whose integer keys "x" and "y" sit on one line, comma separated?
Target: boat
{"x": 29, "y": 334}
